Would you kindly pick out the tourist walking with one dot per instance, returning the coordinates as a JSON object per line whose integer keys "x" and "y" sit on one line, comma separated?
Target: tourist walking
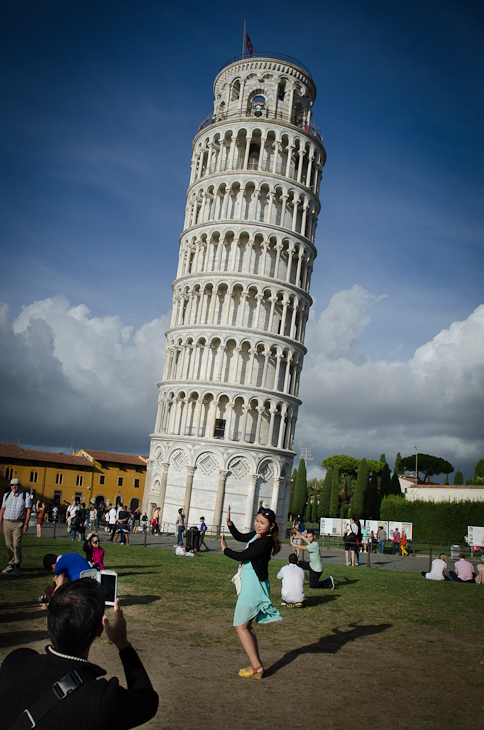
{"x": 14, "y": 518}
{"x": 254, "y": 596}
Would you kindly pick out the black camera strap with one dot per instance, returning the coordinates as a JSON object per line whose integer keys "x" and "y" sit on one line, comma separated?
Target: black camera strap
{"x": 28, "y": 719}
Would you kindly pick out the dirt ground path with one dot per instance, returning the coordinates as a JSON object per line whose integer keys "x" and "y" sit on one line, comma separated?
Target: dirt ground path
{"x": 362, "y": 675}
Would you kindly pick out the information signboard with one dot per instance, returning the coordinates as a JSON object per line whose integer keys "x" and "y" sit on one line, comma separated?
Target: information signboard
{"x": 475, "y": 536}
{"x": 330, "y": 526}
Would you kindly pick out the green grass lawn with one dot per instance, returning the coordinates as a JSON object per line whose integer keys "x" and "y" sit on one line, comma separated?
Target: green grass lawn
{"x": 390, "y": 641}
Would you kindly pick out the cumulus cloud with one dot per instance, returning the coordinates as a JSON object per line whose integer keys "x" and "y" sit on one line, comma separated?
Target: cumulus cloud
{"x": 68, "y": 377}
{"x": 353, "y": 405}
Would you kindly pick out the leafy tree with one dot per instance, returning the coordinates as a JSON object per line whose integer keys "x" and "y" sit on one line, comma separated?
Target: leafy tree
{"x": 371, "y": 508}
{"x": 458, "y": 478}
{"x": 300, "y": 490}
{"x": 428, "y": 465}
{"x": 334, "y": 503}
{"x": 479, "y": 471}
{"x": 293, "y": 485}
{"x": 325, "y": 495}
{"x": 358, "y": 502}
{"x": 398, "y": 468}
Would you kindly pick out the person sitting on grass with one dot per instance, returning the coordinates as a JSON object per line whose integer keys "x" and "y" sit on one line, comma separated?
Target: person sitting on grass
{"x": 292, "y": 576}
{"x": 464, "y": 571}
{"x": 183, "y": 552}
{"x": 75, "y": 617}
{"x": 439, "y": 565}
{"x": 94, "y": 553}
{"x": 480, "y": 572}
{"x": 315, "y": 566}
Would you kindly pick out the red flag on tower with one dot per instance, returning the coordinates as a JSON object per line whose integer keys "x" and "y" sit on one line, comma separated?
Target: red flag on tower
{"x": 249, "y": 45}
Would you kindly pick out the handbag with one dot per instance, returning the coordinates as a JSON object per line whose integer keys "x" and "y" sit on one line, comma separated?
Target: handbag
{"x": 237, "y": 580}
{"x": 351, "y": 537}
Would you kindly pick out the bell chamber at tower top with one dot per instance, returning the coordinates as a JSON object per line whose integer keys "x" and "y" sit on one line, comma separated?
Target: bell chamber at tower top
{"x": 258, "y": 156}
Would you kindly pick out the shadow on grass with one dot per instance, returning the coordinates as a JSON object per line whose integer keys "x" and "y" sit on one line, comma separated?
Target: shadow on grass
{"x": 23, "y": 615}
{"x": 329, "y": 644}
{"x": 319, "y": 600}
{"x": 131, "y": 600}
{"x": 137, "y": 572}
{"x": 15, "y": 638}
{"x": 342, "y": 582}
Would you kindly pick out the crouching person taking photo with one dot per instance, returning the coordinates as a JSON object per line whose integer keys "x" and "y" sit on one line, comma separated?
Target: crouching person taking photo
{"x": 62, "y": 688}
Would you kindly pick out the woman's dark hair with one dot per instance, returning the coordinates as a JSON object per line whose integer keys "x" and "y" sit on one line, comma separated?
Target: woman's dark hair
{"x": 74, "y": 615}
{"x": 269, "y": 514}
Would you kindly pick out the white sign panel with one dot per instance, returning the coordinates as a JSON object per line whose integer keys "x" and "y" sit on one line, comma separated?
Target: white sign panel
{"x": 405, "y": 527}
{"x": 475, "y": 535}
{"x": 375, "y": 526}
{"x": 330, "y": 526}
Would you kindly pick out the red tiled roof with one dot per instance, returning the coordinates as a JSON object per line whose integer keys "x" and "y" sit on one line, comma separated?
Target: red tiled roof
{"x": 113, "y": 457}
{"x": 13, "y": 451}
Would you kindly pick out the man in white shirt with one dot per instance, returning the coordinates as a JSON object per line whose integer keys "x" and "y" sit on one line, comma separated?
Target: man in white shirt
{"x": 292, "y": 576}
{"x": 184, "y": 553}
{"x": 72, "y": 510}
{"x": 112, "y": 519}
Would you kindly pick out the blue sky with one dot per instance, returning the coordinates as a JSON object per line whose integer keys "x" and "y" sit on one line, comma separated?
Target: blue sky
{"x": 101, "y": 101}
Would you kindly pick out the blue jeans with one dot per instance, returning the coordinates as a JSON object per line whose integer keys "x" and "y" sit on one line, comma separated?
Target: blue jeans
{"x": 382, "y": 546}
{"x": 180, "y": 536}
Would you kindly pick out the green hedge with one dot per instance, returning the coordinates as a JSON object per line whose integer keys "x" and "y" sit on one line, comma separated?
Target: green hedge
{"x": 434, "y": 521}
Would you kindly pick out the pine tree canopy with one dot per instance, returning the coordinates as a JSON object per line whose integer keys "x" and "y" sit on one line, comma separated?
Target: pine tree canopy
{"x": 428, "y": 465}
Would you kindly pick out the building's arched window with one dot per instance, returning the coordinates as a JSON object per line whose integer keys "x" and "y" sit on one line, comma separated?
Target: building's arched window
{"x": 33, "y": 477}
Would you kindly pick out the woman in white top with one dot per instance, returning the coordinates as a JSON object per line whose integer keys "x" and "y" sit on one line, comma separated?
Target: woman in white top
{"x": 439, "y": 565}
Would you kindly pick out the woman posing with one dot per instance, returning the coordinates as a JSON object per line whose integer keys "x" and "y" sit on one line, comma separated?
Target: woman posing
{"x": 94, "y": 553}
{"x": 351, "y": 542}
{"x": 254, "y": 600}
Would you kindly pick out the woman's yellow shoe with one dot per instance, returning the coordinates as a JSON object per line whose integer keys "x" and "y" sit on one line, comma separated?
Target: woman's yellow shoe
{"x": 252, "y": 672}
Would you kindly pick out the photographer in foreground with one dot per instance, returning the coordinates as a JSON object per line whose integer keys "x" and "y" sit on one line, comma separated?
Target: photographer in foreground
{"x": 33, "y": 686}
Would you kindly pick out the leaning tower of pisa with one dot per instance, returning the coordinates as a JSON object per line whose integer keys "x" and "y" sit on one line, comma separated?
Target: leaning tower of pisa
{"x": 228, "y": 401}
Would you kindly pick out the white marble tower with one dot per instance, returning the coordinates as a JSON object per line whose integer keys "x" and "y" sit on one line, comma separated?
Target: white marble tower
{"x": 228, "y": 401}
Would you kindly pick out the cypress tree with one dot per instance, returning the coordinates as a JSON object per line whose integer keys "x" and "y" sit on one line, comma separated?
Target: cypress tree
{"x": 446, "y": 480}
{"x": 385, "y": 482}
{"x": 315, "y": 505}
{"x": 395, "y": 485}
{"x": 479, "y": 470}
{"x": 334, "y": 503}
{"x": 371, "y": 509}
{"x": 293, "y": 485}
{"x": 300, "y": 490}
{"x": 361, "y": 489}
{"x": 325, "y": 497}
{"x": 458, "y": 478}
{"x": 383, "y": 459}
{"x": 398, "y": 464}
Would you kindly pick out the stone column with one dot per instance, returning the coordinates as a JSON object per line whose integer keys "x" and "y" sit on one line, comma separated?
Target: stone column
{"x": 275, "y": 493}
{"x": 164, "y": 478}
{"x": 188, "y": 491}
{"x": 219, "y": 501}
{"x": 249, "y": 510}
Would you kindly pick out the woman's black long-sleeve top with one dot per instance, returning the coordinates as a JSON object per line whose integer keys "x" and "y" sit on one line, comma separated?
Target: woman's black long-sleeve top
{"x": 258, "y": 552}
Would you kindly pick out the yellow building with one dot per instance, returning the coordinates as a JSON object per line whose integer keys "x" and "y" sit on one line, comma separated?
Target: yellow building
{"x": 86, "y": 476}
{"x": 118, "y": 478}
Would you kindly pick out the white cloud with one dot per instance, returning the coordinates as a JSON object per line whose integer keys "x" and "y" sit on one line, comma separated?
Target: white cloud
{"x": 69, "y": 377}
{"x": 353, "y": 405}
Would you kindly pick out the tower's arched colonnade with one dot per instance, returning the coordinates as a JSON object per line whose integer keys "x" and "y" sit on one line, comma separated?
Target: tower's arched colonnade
{"x": 228, "y": 401}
